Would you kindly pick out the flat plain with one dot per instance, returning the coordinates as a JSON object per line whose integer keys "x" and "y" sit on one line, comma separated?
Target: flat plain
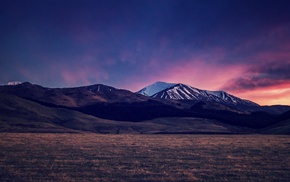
{"x": 99, "y": 157}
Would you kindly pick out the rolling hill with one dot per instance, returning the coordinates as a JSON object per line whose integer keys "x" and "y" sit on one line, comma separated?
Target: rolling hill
{"x": 21, "y": 115}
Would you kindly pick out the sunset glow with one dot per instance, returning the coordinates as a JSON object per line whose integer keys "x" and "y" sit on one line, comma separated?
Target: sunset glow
{"x": 242, "y": 47}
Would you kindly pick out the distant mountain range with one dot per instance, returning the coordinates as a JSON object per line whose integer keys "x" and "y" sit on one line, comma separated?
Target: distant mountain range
{"x": 182, "y": 92}
{"x": 158, "y": 108}
{"x": 72, "y": 97}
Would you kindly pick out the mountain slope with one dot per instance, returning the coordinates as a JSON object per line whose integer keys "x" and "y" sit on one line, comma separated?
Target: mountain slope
{"x": 21, "y": 115}
{"x": 256, "y": 120}
{"x": 282, "y": 127}
{"x": 155, "y": 88}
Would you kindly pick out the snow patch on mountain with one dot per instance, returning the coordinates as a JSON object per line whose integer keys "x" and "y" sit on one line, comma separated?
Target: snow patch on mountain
{"x": 14, "y": 83}
{"x": 155, "y": 88}
{"x": 230, "y": 98}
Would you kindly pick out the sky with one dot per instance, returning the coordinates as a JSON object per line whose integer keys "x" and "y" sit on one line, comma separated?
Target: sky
{"x": 239, "y": 46}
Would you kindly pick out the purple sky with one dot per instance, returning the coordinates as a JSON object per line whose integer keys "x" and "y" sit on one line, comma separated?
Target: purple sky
{"x": 240, "y": 46}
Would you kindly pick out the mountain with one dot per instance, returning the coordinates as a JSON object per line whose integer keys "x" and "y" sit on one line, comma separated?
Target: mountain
{"x": 97, "y": 100}
{"x": 184, "y": 92}
{"x": 72, "y": 97}
{"x": 99, "y": 108}
{"x": 275, "y": 109}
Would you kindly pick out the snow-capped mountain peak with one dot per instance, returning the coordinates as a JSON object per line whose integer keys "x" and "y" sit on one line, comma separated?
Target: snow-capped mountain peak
{"x": 154, "y": 88}
{"x": 163, "y": 90}
{"x": 182, "y": 92}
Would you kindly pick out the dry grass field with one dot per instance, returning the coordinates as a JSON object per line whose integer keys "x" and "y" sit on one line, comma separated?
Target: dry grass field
{"x": 96, "y": 157}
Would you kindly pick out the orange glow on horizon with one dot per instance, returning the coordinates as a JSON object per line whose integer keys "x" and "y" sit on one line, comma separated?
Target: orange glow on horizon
{"x": 268, "y": 96}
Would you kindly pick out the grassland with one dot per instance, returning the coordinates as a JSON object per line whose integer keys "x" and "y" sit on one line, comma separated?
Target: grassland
{"x": 97, "y": 157}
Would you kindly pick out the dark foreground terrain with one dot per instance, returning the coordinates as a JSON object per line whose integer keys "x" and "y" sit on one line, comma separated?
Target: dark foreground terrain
{"x": 96, "y": 157}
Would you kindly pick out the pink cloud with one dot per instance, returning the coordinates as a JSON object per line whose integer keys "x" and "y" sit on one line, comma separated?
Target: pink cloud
{"x": 203, "y": 71}
{"x": 203, "y": 75}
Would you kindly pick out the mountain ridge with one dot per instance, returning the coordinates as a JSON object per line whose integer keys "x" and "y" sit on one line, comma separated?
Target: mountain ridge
{"x": 181, "y": 91}
{"x": 102, "y": 108}
{"x": 74, "y": 96}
